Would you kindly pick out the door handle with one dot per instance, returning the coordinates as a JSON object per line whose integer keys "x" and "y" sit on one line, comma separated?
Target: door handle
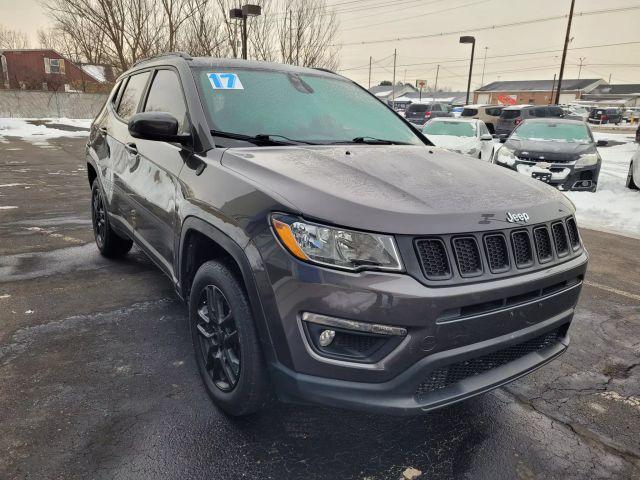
{"x": 131, "y": 148}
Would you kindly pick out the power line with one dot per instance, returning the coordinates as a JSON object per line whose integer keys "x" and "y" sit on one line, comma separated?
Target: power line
{"x": 532, "y": 52}
{"x": 415, "y": 16}
{"x": 488, "y": 27}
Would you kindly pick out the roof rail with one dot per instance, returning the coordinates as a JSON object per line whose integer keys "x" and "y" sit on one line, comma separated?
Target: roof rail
{"x": 324, "y": 70}
{"x": 184, "y": 55}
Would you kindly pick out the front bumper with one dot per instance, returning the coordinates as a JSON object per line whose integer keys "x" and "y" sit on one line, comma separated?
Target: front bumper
{"x": 564, "y": 176}
{"x": 394, "y": 383}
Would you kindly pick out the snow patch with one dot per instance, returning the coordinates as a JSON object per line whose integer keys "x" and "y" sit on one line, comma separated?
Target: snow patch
{"x": 613, "y": 207}
{"x": 39, "y": 134}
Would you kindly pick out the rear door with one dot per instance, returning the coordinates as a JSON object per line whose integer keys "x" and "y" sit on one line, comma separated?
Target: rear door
{"x": 154, "y": 177}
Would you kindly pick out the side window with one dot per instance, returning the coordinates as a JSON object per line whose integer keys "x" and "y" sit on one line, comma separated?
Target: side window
{"x": 131, "y": 95}
{"x": 555, "y": 112}
{"x": 165, "y": 95}
{"x": 435, "y": 107}
{"x": 539, "y": 112}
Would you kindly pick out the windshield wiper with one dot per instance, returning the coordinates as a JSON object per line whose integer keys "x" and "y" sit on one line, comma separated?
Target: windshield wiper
{"x": 377, "y": 141}
{"x": 260, "y": 139}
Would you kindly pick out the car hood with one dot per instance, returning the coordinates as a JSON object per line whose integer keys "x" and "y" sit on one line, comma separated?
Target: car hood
{"x": 451, "y": 142}
{"x": 550, "y": 151}
{"x": 395, "y": 189}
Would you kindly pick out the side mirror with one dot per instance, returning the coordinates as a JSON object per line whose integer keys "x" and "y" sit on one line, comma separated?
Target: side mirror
{"x": 486, "y": 136}
{"x": 158, "y": 126}
{"x": 602, "y": 143}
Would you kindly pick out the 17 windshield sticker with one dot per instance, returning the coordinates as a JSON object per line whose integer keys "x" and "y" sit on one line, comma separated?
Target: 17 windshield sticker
{"x": 225, "y": 81}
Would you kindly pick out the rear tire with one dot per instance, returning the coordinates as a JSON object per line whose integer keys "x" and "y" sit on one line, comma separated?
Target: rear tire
{"x": 110, "y": 244}
{"x": 226, "y": 343}
{"x": 631, "y": 184}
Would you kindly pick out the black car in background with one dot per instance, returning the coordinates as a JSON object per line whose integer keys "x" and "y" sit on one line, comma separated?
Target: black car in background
{"x": 605, "y": 115}
{"x": 511, "y": 117}
{"x": 559, "y": 152}
{"x": 420, "y": 113}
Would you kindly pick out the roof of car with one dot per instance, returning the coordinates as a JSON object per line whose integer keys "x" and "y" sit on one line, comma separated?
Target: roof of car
{"x": 455, "y": 119}
{"x": 553, "y": 120}
{"x": 517, "y": 107}
{"x": 212, "y": 62}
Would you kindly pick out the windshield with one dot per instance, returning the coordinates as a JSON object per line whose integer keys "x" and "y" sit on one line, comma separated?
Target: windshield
{"x": 553, "y": 132}
{"x": 456, "y": 129}
{"x": 300, "y": 107}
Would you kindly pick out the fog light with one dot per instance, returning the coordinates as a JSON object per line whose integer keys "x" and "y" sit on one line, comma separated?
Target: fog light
{"x": 326, "y": 337}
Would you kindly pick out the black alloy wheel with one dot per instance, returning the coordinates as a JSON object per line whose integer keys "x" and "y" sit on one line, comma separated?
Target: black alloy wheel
{"x": 218, "y": 335}
{"x": 98, "y": 216}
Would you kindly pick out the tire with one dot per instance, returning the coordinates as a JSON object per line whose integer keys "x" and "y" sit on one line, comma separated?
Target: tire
{"x": 110, "y": 244}
{"x": 226, "y": 344}
{"x": 631, "y": 183}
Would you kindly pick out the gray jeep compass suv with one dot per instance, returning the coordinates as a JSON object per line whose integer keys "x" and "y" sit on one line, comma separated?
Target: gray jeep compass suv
{"x": 327, "y": 252}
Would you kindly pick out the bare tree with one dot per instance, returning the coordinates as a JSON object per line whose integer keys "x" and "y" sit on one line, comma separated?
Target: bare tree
{"x": 120, "y": 32}
{"x": 204, "y": 32}
{"x": 13, "y": 39}
{"x": 306, "y": 34}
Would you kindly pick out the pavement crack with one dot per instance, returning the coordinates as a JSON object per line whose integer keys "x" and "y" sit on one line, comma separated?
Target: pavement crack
{"x": 602, "y": 441}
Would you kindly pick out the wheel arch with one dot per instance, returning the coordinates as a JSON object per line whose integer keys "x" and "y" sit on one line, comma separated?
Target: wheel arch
{"x": 201, "y": 242}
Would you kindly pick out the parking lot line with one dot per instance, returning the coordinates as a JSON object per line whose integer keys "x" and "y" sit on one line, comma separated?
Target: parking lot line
{"x": 612, "y": 290}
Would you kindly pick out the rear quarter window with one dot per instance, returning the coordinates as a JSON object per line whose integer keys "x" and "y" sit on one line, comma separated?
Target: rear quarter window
{"x": 469, "y": 112}
{"x": 414, "y": 108}
{"x": 493, "y": 112}
{"x": 510, "y": 114}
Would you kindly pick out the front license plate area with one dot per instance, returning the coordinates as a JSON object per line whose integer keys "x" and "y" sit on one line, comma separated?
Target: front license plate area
{"x": 544, "y": 177}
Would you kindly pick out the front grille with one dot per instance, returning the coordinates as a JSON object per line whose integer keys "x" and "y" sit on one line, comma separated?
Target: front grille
{"x": 448, "y": 375}
{"x": 572, "y": 230}
{"x": 467, "y": 256}
{"x": 522, "y": 249}
{"x": 497, "y": 253}
{"x": 560, "y": 239}
{"x": 543, "y": 244}
{"x": 433, "y": 258}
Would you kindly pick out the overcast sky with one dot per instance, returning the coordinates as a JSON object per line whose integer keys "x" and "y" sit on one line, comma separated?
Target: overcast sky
{"x": 363, "y": 21}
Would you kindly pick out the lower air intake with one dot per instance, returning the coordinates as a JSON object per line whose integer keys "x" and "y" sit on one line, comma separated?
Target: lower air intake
{"x": 454, "y": 373}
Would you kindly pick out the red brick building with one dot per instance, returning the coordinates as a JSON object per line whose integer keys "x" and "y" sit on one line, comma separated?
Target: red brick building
{"x": 44, "y": 70}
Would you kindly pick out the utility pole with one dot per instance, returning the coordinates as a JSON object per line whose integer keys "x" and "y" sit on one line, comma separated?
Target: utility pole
{"x": 564, "y": 52}
{"x": 484, "y": 64}
{"x": 472, "y": 41}
{"x": 609, "y": 79}
{"x": 582, "y": 59}
{"x": 435, "y": 87}
{"x": 393, "y": 88}
{"x": 370, "y": 59}
{"x": 553, "y": 87}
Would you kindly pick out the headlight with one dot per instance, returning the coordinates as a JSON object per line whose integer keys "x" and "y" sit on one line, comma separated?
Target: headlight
{"x": 506, "y": 156}
{"x": 587, "y": 160}
{"x": 336, "y": 247}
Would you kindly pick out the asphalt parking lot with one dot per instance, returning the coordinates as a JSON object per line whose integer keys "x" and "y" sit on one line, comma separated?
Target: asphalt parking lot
{"x": 99, "y": 380}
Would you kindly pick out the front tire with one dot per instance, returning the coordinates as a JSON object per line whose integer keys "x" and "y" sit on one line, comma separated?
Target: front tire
{"x": 109, "y": 243}
{"x": 631, "y": 184}
{"x": 225, "y": 341}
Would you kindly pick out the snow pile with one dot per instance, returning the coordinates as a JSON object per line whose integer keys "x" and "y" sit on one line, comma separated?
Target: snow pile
{"x": 613, "y": 208}
{"x": 22, "y": 128}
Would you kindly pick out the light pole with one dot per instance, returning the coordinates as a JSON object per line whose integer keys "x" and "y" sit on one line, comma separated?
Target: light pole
{"x": 472, "y": 41}
{"x": 243, "y": 13}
